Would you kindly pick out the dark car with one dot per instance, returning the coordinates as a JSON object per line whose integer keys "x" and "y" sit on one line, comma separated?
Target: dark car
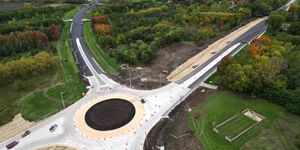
{"x": 12, "y": 144}
{"x": 53, "y": 127}
{"x": 27, "y": 132}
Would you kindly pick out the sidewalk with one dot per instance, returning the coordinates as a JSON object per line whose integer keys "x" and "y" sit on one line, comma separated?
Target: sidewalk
{"x": 212, "y": 49}
{"x": 17, "y": 125}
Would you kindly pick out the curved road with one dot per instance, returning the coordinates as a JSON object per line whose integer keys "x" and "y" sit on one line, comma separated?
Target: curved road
{"x": 158, "y": 102}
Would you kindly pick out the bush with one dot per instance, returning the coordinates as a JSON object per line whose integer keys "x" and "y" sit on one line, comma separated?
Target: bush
{"x": 17, "y": 86}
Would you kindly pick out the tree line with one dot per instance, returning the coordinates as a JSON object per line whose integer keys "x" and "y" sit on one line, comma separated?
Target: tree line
{"x": 18, "y": 42}
{"x": 270, "y": 66}
{"x": 36, "y": 18}
{"x": 35, "y": 12}
{"x": 26, "y": 67}
{"x": 132, "y": 32}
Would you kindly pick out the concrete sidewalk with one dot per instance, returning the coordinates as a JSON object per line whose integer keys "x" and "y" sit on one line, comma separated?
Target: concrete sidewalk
{"x": 16, "y": 126}
{"x": 210, "y": 51}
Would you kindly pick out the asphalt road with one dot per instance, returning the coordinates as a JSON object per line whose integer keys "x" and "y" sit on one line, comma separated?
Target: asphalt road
{"x": 244, "y": 39}
{"x": 158, "y": 102}
{"x": 77, "y": 32}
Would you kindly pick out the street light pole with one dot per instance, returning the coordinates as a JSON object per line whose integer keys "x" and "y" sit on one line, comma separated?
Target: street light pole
{"x": 159, "y": 79}
{"x": 130, "y": 80}
{"x": 62, "y": 99}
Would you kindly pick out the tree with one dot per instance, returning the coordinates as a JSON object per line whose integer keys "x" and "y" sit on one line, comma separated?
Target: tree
{"x": 27, "y": 5}
{"x": 206, "y": 32}
{"x": 227, "y": 60}
{"x": 293, "y": 70}
{"x": 261, "y": 8}
{"x": 294, "y": 28}
{"x": 266, "y": 73}
{"x": 54, "y": 34}
{"x": 236, "y": 77}
{"x": 293, "y": 9}
{"x": 275, "y": 19}
{"x": 18, "y": 85}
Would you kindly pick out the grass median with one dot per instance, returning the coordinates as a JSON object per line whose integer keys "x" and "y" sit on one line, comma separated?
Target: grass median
{"x": 107, "y": 63}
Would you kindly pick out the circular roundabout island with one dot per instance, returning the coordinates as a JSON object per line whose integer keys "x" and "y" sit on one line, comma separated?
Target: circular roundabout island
{"x": 109, "y": 116}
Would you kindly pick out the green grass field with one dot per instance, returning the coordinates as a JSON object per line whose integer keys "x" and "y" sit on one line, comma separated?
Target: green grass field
{"x": 221, "y": 105}
{"x": 214, "y": 79}
{"x": 46, "y": 101}
{"x": 11, "y": 101}
{"x": 235, "y": 126}
{"x": 107, "y": 63}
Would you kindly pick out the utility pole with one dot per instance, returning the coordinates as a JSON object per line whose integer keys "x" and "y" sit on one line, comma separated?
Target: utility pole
{"x": 62, "y": 99}
{"x": 159, "y": 79}
{"x": 130, "y": 80}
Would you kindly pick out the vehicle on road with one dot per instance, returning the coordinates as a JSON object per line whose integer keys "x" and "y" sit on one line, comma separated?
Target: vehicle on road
{"x": 53, "y": 127}
{"x": 12, "y": 144}
{"x": 27, "y": 132}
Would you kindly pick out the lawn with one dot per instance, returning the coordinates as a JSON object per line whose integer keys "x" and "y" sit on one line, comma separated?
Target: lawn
{"x": 221, "y": 105}
{"x": 284, "y": 133}
{"x": 214, "y": 79}
{"x": 107, "y": 63}
{"x": 48, "y": 100}
{"x": 37, "y": 106}
{"x": 10, "y": 101}
{"x": 235, "y": 126}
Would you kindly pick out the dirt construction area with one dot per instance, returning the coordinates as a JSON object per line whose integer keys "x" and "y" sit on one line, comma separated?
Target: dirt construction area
{"x": 173, "y": 62}
{"x": 154, "y": 75}
{"x": 173, "y": 133}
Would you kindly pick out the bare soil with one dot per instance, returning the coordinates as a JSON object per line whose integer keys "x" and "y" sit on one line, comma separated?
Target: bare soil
{"x": 173, "y": 133}
{"x": 166, "y": 60}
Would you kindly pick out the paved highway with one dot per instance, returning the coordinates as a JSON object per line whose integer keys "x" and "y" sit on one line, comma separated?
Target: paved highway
{"x": 158, "y": 102}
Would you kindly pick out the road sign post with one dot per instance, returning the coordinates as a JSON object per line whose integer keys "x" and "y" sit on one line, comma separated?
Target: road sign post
{"x": 62, "y": 99}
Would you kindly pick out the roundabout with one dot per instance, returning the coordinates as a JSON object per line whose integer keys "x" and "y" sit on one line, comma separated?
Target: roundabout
{"x": 109, "y": 116}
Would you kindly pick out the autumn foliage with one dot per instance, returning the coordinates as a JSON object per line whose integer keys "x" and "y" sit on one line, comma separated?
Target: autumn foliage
{"x": 100, "y": 24}
{"x": 257, "y": 46}
{"x": 102, "y": 28}
{"x": 100, "y": 20}
{"x": 227, "y": 60}
{"x": 21, "y": 41}
{"x": 54, "y": 34}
